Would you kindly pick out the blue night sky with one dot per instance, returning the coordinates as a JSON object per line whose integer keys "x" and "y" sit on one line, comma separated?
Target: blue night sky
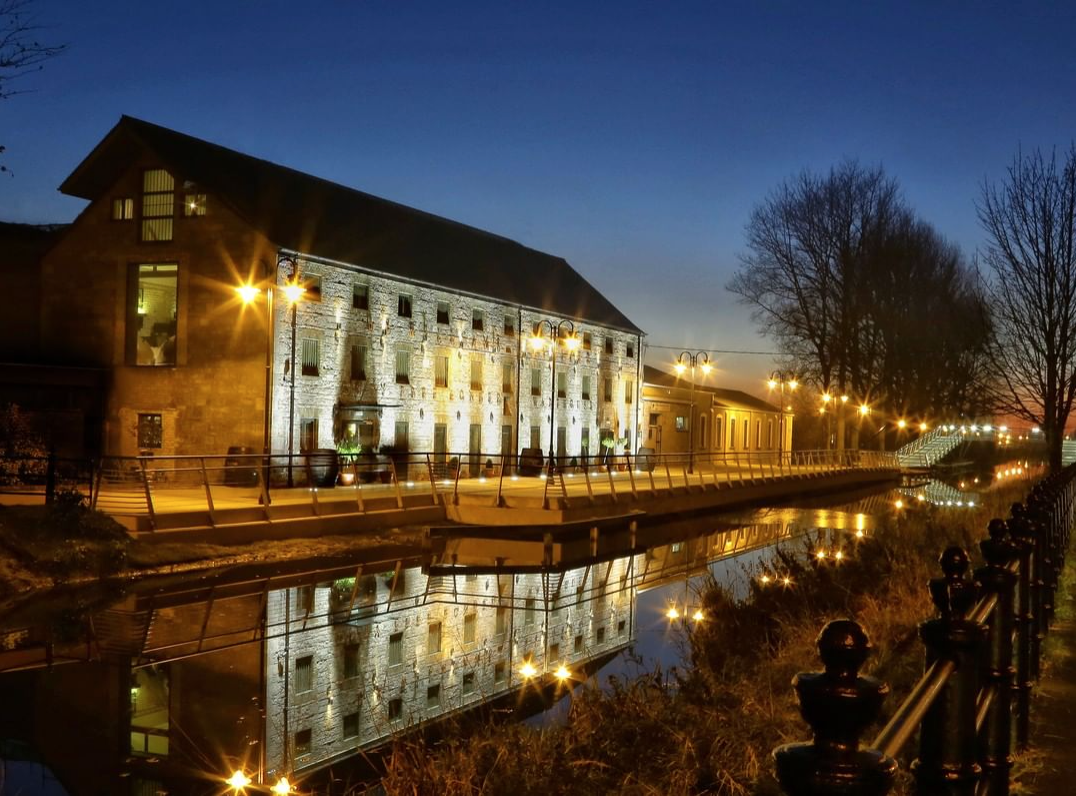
{"x": 631, "y": 139}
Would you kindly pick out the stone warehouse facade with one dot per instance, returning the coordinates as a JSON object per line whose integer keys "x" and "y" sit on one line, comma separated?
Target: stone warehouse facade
{"x": 412, "y": 330}
{"x": 414, "y": 648}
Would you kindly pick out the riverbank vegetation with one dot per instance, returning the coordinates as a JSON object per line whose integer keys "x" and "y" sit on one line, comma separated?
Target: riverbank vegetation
{"x": 710, "y": 725}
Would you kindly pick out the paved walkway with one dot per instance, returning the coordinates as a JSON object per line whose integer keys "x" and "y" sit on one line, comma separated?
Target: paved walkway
{"x": 1052, "y": 767}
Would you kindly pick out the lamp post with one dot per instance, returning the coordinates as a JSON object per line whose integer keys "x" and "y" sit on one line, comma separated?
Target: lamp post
{"x": 293, "y": 292}
{"x": 779, "y": 379}
{"x": 248, "y": 294}
{"x": 571, "y": 342}
{"x": 683, "y": 362}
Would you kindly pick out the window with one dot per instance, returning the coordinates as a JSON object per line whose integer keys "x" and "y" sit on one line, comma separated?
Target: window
{"x": 478, "y": 320}
{"x": 554, "y": 652}
{"x": 629, "y": 391}
{"x": 509, "y": 325}
{"x": 502, "y": 620}
{"x": 578, "y": 645}
{"x": 403, "y": 366}
{"x": 621, "y": 628}
{"x": 351, "y": 725}
{"x": 151, "y": 314}
{"x": 150, "y": 432}
{"x": 442, "y": 312}
{"x": 599, "y": 635}
{"x": 304, "y": 674}
{"x": 758, "y": 434}
{"x": 536, "y": 436}
{"x": 500, "y": 672}
{"x": 402, "y": 435}
{"x": 732, "y": 433}
{"x": 396, "y": 649}
{"x": 607, "y": 389}
{"x": 588, "y": 342}
{"x": 433, "y": 696}
{"x": 311, "y": 353}
{"x": 476, "y": 373}
{"x": 158, "y": 205}
{"x": 769, "y": 433}
{"x": 308, "y": 433}
{"x": 351, "y": 660}
{"x": 536, "y": 381}
{"x": 507, "y": 369}
{"x": 681, "y": 423}
{"x": 403, "y": 305}
{"x": 311, "y": 287}
{"x": 360, "y": 296}
{"x": 433, "y": 639}
{"x": 608, "y": 345}
{"x": 193, "y": 205}
{"x": 122, "y": 209}
{"x": 562, "y": 385}
{"x": 440, "y": 370}
{"x": 746, "y": 440}
{"x": 302, "y": 742}
{"x": 358, "y": 360}
{"x": 528, "y": 615}
{"x": 469, "y": 624}
{"x": 304, "y": 599}
{"x": 585, "y": 389}
{"x": 468, "y": 683}
{"x": 630, "y": 350}
{"x": 584, "y": 441}
{"x": 395, "y": 708}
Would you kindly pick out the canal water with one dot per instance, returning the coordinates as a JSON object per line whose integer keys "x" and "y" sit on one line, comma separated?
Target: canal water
{"x": 172, "y": 685}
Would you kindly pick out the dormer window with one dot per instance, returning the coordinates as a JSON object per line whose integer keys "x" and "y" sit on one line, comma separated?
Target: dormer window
{"x": 158, "y": 205}
{"x": 193, "y": 205}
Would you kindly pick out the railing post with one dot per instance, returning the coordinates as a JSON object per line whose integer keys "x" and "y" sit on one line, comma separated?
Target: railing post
{"x": 839, "y": 705}
{"x": 208, "y": 491}
{"x": 995, "y": 743}
{"x": 396, "y": 481}
{"x": 948, "y": 744}
{"x": 311, "y": 489}
{"x": 149, "y": 494}
{"x": 1021, "y": 539}
{"x": 631, "y": 475}
{"x": 50, "y": 477}
{"x": 500, "y": 481}
{"x": 433, "y": 480}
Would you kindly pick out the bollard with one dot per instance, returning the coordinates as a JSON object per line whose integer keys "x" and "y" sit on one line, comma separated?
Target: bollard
{"x": 995, "y": 743}
{"x": 948, "y": 753}
{"x": 1021, "y": 539}
{"x": 839, "y": 705}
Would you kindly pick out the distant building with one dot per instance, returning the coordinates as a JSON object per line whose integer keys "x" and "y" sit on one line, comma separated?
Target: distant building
{"x": 723, "y": 420}
{"x": 412, "y": 330}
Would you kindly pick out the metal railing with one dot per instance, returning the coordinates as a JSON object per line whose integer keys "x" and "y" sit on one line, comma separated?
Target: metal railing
{"x": 983, "y": 656}
{"x": 324, "y": 482}
{"x": 44, "y": 476}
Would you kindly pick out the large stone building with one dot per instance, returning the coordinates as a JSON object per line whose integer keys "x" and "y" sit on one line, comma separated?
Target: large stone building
{"x": 412, "y": 330}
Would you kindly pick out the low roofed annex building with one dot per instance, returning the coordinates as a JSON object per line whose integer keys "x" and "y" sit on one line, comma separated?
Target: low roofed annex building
{"x": 412, "y": 330}
{"x": 723, "y": 421}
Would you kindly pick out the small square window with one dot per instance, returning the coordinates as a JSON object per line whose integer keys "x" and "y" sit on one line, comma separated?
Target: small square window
{"x": 360, "y": 296}
{"x": 468, "y": 683}
{"x": 395, "y": 708}
{"x": 194, "y": 205}
{"x": 433, "y": 696}
{"x": 150, "y": 432}
{"x": 304, "y": 599}
{"x": 351, "y": 725}
{"x": 442, "y": 312}
{"x": 302, "y": 742}
{"x": 122, "y": 209}
{"x": 478, "y": 320}
{"x": 403, "y": 305}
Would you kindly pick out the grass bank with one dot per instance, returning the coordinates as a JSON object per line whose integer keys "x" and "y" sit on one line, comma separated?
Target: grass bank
{"x": 709, "y": 726}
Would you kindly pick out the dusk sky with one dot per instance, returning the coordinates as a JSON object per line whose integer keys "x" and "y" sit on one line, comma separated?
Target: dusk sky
{"x": 632, "y": 140}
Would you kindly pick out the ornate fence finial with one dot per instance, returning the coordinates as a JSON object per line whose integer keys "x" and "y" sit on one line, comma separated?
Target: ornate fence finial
{"x": 839, "y": 705}
{"x": 953, "y": 594}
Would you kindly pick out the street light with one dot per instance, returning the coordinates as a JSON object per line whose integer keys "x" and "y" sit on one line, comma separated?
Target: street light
{"x": 780, "y": 379}
{"x": 683, "y": 362}
{"x": 571, "y": 343}
{"x": 293, "y": 292}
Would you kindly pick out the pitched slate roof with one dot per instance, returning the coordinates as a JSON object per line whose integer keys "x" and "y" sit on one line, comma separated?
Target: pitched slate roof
{"x": 310, "y": 215}
{"x": 731, "y": 398}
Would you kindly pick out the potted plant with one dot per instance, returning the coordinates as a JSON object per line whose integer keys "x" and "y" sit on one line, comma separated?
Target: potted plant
{"x": 489, "y": 470}
{"x": 348, "y": 450}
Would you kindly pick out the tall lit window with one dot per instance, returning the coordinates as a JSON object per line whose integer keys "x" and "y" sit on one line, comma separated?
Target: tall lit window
{"x": 403, "y": 366}
{"x": 150, "y": 431}
{"x": 311, "y": 356}
{"x": 358, "y": 360}
{"x": 476, "y": 373}
{"x": 440, "y": 370}
{"x": 122, "y": 209}
{"x": 151, "y": 314}
{"x": 158, "y": 205}
{"x": 629, "y": 391}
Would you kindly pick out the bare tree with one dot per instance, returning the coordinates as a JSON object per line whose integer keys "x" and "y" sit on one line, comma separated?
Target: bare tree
{"x": 1031, "y": 220}
{"x": 21, "y": 52}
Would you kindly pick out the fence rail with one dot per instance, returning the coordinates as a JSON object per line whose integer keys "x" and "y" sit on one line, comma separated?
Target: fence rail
{"x": 324, "y": 481}
{"x": 983, "y": 656}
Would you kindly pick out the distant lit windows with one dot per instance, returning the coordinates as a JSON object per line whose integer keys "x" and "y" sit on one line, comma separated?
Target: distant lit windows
{"x": 151, "y": 314}
{"x": 122, "y": 209}
{"x": 440, "y": 371}
{"x": 478, "y": 320}
{"x": 311, "y": 352}
{"x": 403, "y": 305}
{"x": 194, "y": 205}
{"x": 442, "y": 312}
{"x": 308, "y": 433}
{"x": 360, "y": 296}
{"x": 403, "y": 366}
{"x": 150, "y": 432}
{"x": 158, "y": 205}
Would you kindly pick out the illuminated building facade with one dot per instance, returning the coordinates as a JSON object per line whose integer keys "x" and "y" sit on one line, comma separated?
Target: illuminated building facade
{"x": 411, "y": 330}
